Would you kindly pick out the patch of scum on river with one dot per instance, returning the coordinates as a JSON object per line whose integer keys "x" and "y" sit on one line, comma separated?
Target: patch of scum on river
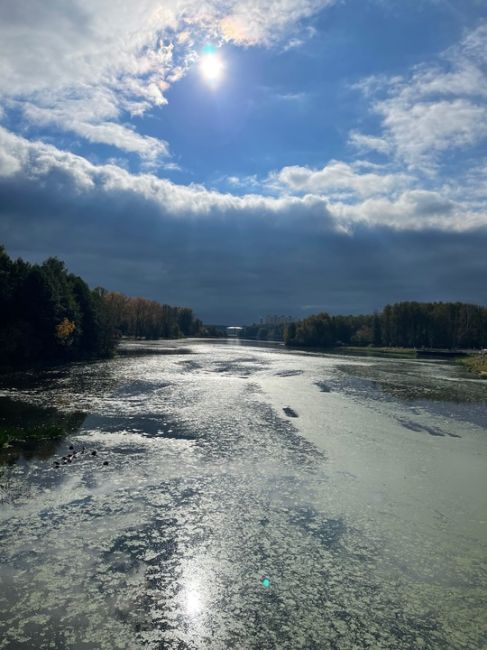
{"x": 212, "y": 486}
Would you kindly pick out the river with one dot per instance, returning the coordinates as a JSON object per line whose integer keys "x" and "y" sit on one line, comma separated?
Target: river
{"x": 245, "y": 496}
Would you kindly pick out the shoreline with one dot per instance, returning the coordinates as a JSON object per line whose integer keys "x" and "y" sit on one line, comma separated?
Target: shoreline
{"x": 475, "y": 364}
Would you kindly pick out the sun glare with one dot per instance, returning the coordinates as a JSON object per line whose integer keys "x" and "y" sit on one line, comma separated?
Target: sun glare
{"x": 193, "y": 602}
{"x": 211, "y": 67}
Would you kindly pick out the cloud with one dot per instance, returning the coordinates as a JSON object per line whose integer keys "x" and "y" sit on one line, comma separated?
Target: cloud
{"x": 69, "y": 175}
{"x": 81, "y": 65}
{"x": 413, "y": 210}
{"x": 339, "y": 179}
{"x": 473, "y": 185}
{"x": 253, "y": 22}
{"x": 234, "y": 257}
{"x": 369, "y": 142}
{"x": 421, "y": 130}
{"x": 123, "y": 137}
{"x": 435, "y": 109}
{"x": 9, "y": 164}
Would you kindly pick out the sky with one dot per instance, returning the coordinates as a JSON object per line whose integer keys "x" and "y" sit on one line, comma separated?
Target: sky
{"x": 253, "y": 157}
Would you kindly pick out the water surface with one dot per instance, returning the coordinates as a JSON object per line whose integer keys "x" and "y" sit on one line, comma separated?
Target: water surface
{"x": 254, "y": 497}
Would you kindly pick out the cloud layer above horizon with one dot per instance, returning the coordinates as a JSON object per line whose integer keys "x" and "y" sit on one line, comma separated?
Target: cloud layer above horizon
{"x": 114, "y": 156}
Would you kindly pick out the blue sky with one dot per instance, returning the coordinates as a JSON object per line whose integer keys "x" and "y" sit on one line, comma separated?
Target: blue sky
{"x": 338, "y": 163}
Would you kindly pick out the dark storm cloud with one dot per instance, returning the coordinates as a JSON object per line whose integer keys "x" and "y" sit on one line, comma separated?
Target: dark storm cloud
{"x": 230, "y": 258}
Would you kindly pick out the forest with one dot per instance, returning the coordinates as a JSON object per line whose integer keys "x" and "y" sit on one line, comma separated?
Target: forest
{"x": 449, "y": 325}
{"x": 49, "y": 314}
{"x": 147, "y": 319}
{"x": 264, "y": 332}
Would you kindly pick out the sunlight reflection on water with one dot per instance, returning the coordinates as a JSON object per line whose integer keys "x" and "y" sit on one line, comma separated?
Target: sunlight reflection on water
{"x": 367, "y": 519}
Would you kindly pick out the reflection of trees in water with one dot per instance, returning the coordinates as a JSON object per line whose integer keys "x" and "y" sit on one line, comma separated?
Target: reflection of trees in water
{"x": 33, "y": 431}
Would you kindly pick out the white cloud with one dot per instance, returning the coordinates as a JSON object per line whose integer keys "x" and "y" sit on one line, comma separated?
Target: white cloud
{"x": 471, "y": 186}
{"x": 419, "y": 130}
{"x": 123, "y": 137}
{"x": 339, "y": 179}
{"x": 118, "y": 135}
{"x": 37, "y": 161}
{"x": 413, "y": 210}
{"x": 435, "y": 109}
{"x": 369, "y": 142}
{"x": 252, "y": 22}
{"x": 9, "y": 164}
{"x": 70, "y": 177}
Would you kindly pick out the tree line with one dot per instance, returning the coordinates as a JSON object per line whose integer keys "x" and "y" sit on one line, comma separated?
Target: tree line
{"x": 148, "y": 319}
{"x": 451, "y": 325}
{"x": 264, "y": 332}
{"x": 49, "y": 314}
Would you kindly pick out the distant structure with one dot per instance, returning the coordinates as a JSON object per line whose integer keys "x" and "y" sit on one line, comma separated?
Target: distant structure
{"x": 276, "y": 320}
{"x": 234, "y": 332}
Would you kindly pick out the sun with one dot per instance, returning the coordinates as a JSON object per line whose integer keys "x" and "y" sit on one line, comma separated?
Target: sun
{"x": 211, "y": 67}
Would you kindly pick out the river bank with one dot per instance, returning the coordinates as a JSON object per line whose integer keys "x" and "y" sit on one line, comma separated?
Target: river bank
{"x": 374, "y": 351}
{"x": 476, "y": 364}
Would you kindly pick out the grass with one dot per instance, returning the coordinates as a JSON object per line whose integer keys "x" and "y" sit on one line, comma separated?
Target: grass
{"x": 475, "y": 363}
{"x": 22, "y": 422}
{"x": 13, "y": 434}
{"x": 355, "y": 349}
